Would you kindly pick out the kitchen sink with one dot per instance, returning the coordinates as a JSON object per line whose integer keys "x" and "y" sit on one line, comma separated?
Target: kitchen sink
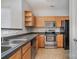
{"x": 13, "y": 42}
{"x": 5, "y": 45}
{"x": 16, "y": 41}
{"x": 5, "y": 48}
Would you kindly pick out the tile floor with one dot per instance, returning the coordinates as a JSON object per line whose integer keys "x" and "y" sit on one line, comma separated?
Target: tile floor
{"x": 58, "y": 53}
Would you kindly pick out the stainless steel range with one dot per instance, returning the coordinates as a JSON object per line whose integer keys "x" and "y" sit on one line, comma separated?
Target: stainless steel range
{"x": 50, "y": 41}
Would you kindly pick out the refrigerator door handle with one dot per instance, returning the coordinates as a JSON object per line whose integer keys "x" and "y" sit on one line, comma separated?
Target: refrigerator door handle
{"x": 75, "y": 40}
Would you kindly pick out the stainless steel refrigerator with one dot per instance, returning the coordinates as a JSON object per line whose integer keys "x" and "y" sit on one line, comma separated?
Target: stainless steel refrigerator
{"x": 65, "y": 26}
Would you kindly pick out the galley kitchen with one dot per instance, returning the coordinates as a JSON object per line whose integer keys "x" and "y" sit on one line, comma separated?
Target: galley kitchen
{"x": 38, "y": 29}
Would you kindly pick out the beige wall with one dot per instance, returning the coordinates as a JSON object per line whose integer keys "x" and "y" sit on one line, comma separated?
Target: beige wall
{"x": 51, "y": 12}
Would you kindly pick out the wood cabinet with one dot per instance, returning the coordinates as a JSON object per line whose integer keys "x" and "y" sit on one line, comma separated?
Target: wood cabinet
{"x": 58, "y": 23}
{"x": 27, "y": 55}
{"x": 59, "y": 20}
{"x": 49, "y": 18}
{"x": 29, "y": 19}
{"x": 37, "y": 43}
{"x": 23, "y": 53}
{"x": 41, "y": 41}
{"x": 64, "y": 17}
{"x": 16, "y": 55}
{"x": 59, "y": 39}
{"x": 26, "y": 47}
{"x": 26, "y": 51}
{"x": 39, "y": 22}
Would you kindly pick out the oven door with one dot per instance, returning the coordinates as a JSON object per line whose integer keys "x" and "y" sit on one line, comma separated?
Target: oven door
{"x": 50, "y": 38}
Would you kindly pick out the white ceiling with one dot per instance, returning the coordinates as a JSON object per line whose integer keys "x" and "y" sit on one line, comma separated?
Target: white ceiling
{"x": 45, "y": 4}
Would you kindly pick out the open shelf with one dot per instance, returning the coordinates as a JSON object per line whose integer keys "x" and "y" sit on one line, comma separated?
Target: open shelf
{"x": 28, "y": 13}
{"x": 29, "y": 19}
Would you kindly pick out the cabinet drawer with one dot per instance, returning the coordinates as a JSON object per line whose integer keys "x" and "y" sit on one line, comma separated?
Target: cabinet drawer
{"x": 26, "y": 47}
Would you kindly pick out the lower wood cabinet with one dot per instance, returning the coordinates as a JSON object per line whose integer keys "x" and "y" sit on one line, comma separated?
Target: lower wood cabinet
{"x": 23, "y": 53}
{"x": 27, "y": 55}
{"x": 37, "y": 43}
{"x": 26, "y": 51}
{"x": 59, "y": 40}
{"x": 16, "y": 55}
{"x": 26, "y": 47}
{"x": 41, "y": 41}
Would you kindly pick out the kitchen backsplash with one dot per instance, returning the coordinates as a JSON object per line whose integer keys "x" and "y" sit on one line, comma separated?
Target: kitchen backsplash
{"x": 46, "y": 29}
{"x": 5, "y": 33}
{"x": 16, "y": 32}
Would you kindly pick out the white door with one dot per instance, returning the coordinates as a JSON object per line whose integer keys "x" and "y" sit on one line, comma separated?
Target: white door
{"x": 73, "y": 31}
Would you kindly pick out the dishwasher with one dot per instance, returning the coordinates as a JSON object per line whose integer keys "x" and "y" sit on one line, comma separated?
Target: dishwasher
{"x": 33, "y": 50}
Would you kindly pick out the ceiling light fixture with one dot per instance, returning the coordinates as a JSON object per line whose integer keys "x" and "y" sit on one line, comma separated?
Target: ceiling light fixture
{"x": 51, "y": 2}
{"x": 51, "y": 6}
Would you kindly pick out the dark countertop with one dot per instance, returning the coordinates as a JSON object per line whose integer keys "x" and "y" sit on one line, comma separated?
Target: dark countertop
{"x": 12, "y": 36}
{"x": 28, "y": 38}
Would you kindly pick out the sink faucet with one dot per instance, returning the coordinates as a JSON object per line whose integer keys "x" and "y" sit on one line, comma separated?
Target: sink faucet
{"x": 2, "y": 39}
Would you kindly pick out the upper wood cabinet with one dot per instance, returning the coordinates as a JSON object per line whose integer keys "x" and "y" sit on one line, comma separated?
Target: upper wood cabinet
{"x": 29, "y": 19}
{"x": 39, "y": 21}
{"x": 28, "y": 13}
{"x": 50, "y": 18}
{"x": 58, "y": 21}
{"x": 16, "y": 55}
{"x": 59, "y": 39}
{"x": 64, "y": 17}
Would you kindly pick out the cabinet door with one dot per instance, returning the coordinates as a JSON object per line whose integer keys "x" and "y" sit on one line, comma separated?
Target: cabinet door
{"x": 16, "y": 55}
{"x": 59, "y": 41}
{"x": 36, "y": 43}
{"x": 27, "y": 55}
{"x": 64, "y": 17}
{"x": 26, "y": 47}
{"x": 41, "y": 40}
{"x": 58, "y": 23}
{"x": 39, "y": 22}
